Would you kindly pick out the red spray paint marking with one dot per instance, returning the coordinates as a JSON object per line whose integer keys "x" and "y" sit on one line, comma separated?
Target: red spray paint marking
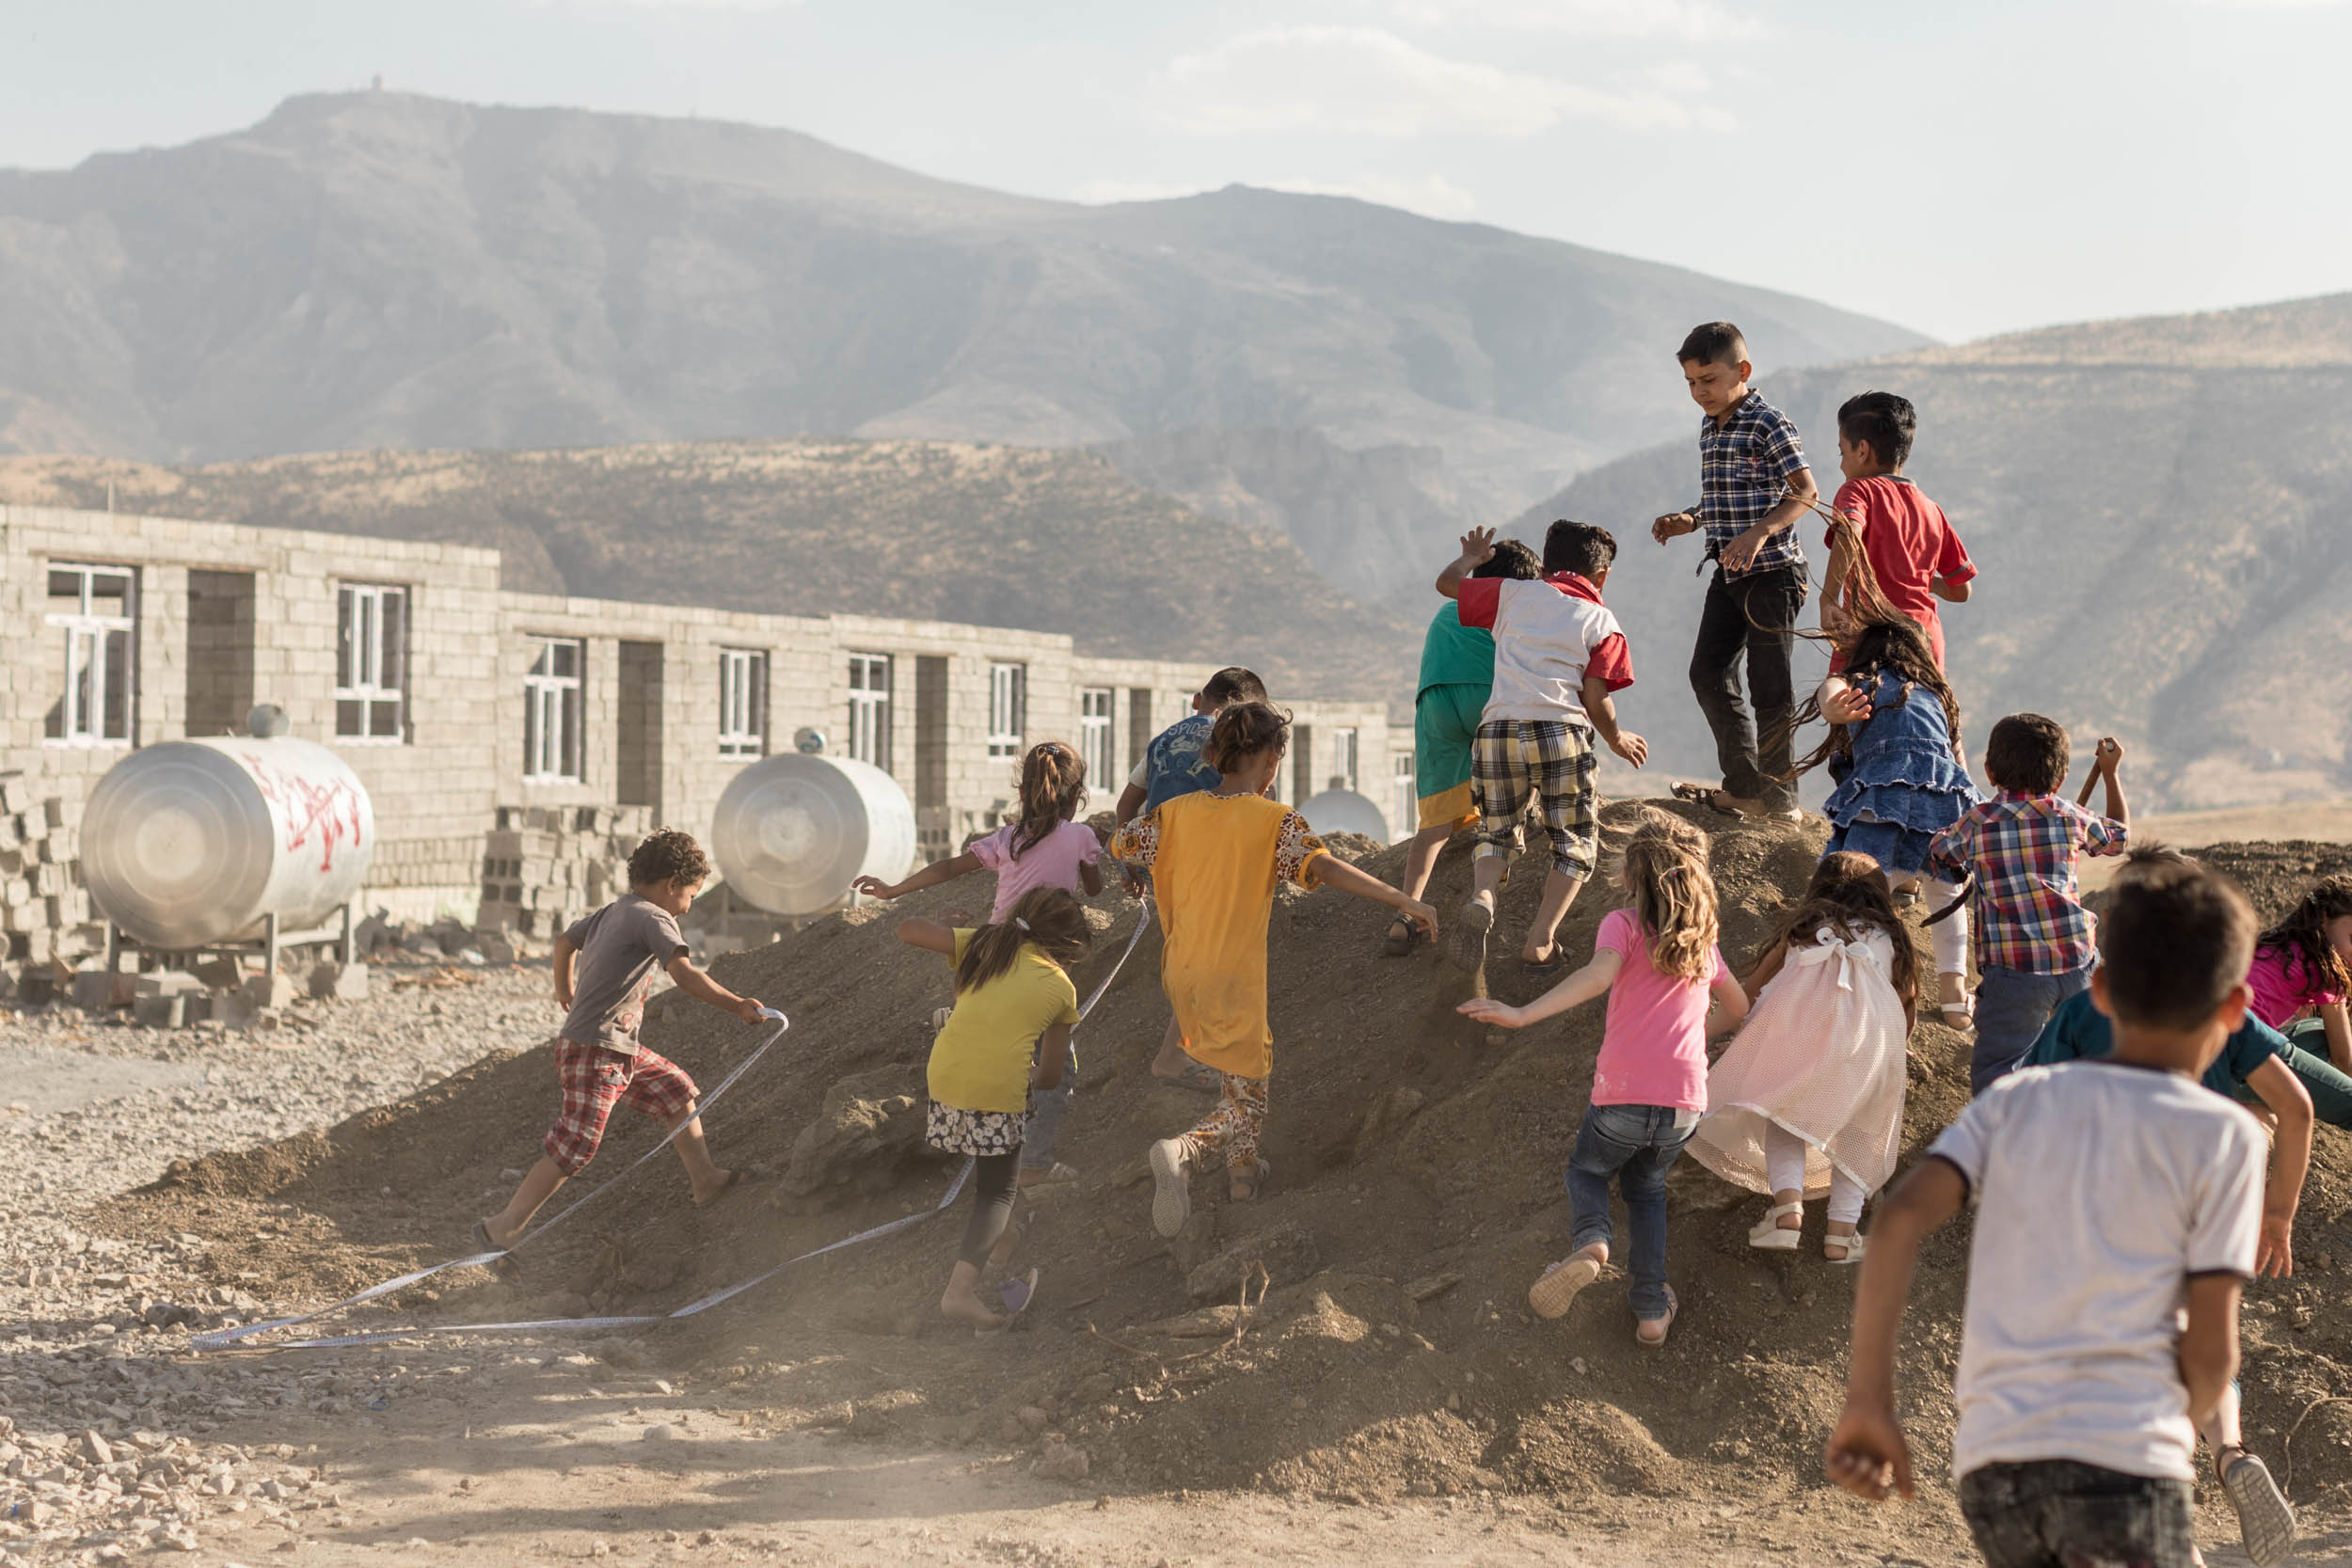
{"x": 331, "y": 809}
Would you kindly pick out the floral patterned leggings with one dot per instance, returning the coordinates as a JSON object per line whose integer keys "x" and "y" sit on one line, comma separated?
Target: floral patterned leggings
{"x": 1233, "y": 1128}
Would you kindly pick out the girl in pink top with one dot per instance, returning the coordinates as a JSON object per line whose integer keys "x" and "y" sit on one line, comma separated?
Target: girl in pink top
{"x": 2303, "y": 970}
{"x": 1661, "y": 969}
{"x": 1046, "y": 847}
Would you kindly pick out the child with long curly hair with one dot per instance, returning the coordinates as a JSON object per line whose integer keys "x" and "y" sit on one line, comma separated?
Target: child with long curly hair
{"x": 2303, "y": 971}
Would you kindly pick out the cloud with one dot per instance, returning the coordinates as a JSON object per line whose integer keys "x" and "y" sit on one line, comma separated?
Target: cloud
{"x": 1696, "y": 21}
{"x": 1362, "y": 81}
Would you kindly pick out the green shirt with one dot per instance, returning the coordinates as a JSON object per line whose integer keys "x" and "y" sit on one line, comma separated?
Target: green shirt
{"x": 2079, "y": 1030}
{"x": 1452, "y": 654}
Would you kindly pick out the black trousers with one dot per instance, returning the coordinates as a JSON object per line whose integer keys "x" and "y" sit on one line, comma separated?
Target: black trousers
{"x": 1756, "y": 616}
{"x": 994, "y": 1180}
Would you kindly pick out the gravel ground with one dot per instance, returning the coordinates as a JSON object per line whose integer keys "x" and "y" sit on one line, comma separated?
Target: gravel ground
{"x": 103, "y": 1415}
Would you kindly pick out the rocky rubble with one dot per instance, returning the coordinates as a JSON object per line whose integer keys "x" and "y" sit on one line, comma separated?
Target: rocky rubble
{"x": 105, "y": 1417}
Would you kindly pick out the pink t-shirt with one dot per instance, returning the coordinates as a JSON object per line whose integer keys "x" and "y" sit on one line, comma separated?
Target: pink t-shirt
{"x": 1052, "y": 862}
{"x": 1653, "y": 1049}
{"x": 2282, "y": 988}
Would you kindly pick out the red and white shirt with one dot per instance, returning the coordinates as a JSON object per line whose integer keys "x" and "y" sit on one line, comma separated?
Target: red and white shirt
{"x": 1549, "y": 637}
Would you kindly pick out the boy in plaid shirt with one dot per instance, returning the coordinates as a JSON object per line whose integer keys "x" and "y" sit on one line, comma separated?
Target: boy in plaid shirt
{"x": 1754, "y": 486}
{"x": 598, "y": 1062}
{"x": 2035, "y": 942}
{"x": 1558, "y": 656}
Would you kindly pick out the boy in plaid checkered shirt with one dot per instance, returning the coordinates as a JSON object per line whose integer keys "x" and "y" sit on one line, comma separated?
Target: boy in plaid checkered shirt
{"x": 1559, "y": 653}
{"x": 2035, "y": 942}
{"x": 598, "y": 1062}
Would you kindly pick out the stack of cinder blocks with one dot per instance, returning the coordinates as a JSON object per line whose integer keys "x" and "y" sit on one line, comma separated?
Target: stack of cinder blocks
{"x": 44, "y": 910}
{"x": 545, "y": 867}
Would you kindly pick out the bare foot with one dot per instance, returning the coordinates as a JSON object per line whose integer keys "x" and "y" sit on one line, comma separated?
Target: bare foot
{"x": 965, "y": 1307}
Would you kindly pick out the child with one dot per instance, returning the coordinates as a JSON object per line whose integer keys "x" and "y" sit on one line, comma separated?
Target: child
{"x": 2033, "y": 937}
{"x": 1044, "y": 848}
{"x": 1753, "y": 485}
{"x": 1810, "y": 1093}
{"x": 1894, "y": 751}
{"x": 1176, "y": 763}
{"x": 598, "y": 1058}
{"x": 1457, "y": 674}
{"x": 1559, "y": 653}
{"x": 1911, "y": 548}
{"x": 2109, "y": 1195}
{"x": 1660, "y": 964}
{"x": 2302, "y": 970}
{"x": 1216, "y": 856}
{"x": 1009, "y": 1034}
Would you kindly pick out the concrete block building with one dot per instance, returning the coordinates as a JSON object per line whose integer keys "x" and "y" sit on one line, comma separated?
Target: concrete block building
{"x": 452, "y": 698}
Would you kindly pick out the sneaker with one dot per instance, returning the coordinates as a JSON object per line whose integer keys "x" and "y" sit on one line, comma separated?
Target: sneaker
{"x": 2265, "y": 1521}
{"x": 1469, "y": 947}
{"x": 1557, "y": 1290}
{"x": 1171, "y": 1193}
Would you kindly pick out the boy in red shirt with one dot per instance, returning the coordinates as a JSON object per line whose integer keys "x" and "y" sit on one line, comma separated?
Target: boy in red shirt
{"x": 1912, "y": 550}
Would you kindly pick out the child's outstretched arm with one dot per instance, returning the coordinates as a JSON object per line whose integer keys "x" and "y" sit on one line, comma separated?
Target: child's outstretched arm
{"x": 702, "y": 987}
{"x": 1478, "y": 548}
{"x": 1332, "y": 872}
{"x": 2276, "y": 1086}
{"x": 932, "y": 936}
{"x": 564, "y": 952}
{"x": 1053, "y": 1049}
{"x": 1866, "y": 1454}
{"x": 931, "y": 875}
{"x": 1731, "y": 1004}
{"x": 2109, "y": 760}
{"x": 1767, "y": 966}
{"x": 1603, "y": 710}
{"x": 1592, "y": 980}
{"x": 2208, "y": 1345}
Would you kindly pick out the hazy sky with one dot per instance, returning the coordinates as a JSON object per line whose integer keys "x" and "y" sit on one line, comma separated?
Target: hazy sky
{"x": 1961, "y": 167}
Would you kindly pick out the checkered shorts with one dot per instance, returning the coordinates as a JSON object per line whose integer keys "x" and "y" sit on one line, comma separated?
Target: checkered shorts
{"x": 1551, "y": 760}
{"x": 594, "y": 1078}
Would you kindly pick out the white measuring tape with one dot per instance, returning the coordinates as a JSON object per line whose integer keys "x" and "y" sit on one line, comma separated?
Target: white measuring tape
{"x": 230, "y": 1338}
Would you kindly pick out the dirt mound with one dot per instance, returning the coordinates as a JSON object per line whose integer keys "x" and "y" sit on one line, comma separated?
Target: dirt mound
{"x": 1416, "y": 1192}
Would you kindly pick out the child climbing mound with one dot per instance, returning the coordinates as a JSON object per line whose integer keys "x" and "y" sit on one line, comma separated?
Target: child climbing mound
{"x": 604, "y": 966}
{"x": 1009, "y": 1034}
{"x": 1216, "y": 856}
{"x": 1809, "y": 1097}
{"x": 2302, "y": 970}
{"x": 1660, "y": 968}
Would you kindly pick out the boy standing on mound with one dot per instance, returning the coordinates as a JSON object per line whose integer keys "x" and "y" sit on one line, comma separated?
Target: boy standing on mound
{"x": 604, "y": 966}
{"x": 2118, "y": 1213}
{"x": 1912, "y": 550}
{"x": 1754, "y": 486}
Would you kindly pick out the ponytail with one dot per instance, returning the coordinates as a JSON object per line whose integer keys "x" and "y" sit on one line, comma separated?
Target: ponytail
{"x": 1045, "y": 918}
{"x": 1052, "y": 785}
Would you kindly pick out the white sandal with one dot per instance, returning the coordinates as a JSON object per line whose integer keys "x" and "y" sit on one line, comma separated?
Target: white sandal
{"x": 1772, "y": 1236}
{"x": 1855, "y": 1245}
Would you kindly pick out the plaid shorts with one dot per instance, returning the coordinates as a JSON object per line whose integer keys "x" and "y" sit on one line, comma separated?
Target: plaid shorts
{"x": 1550, "y": 759}
{"x": 594, "y": 1078}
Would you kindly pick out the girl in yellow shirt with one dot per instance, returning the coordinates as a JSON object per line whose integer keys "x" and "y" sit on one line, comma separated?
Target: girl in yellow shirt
{"x": 1007, "y": 1033}
{"x": 1215, "y": 857}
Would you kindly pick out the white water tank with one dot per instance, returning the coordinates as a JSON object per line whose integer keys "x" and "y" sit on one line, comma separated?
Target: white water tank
{"x": 1343, "y": 811}
{"x": 192, "y": 842}
{"x": 794, "y": 831}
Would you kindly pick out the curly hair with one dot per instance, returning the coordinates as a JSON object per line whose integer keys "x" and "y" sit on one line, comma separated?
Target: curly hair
{"x": 1674, "y": 895}
{"x": 2303, "y": 933}
{"x": 668, "y": 855}
{"x": 1894, "y": 646}
{"x": 1245, "y": 730}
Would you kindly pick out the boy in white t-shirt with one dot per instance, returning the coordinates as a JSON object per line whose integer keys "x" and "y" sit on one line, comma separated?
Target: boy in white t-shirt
{"x": 1559, "y": 653}
{"x": 2118, "y": 1213}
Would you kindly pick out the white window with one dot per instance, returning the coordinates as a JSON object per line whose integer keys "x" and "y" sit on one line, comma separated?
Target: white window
{"x": 869, "y": 709}
{"x": 552, "y": 710}
{"x": 1408, "y": 804}
{"x": 1007, "y": 708}
{"x": 370, "y": 661}
{"x": 1094, "y": 736}
{"x": 97, "y": 610}
{"x": 742, "y": 702}
{"x": 1343, "y": 758}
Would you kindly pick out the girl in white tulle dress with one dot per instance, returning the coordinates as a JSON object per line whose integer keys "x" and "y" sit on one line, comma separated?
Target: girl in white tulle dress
{"x": 1809, "y": 1099}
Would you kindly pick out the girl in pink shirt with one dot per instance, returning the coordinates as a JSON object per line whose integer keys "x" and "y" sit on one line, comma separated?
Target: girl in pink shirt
{"x": 2303, "y": 969}
{"x": 1660, "y": 965}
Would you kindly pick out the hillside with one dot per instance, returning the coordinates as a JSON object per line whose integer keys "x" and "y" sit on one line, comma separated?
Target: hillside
{"x": 383, "y": 270}
{"x": 1052, "y": 540}
{"x": 2156, "y": 506}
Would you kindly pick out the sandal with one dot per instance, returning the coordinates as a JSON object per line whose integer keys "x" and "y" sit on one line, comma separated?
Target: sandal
{"x": 1403, "y": 937}
{"x": 1710, "y": 796}
{"x": 2265, "y": 1521}
{"x": 503, "y": 1265}
{"x": 1242, "y": 1188}
{"x": 1196, "y": 1075}
{"x": 1855, "y": 1245}
{"x": 1769, "y": 1235}
{"x": 1549, "y": 963}
{"x": 1557, "y": 1290}
{"x": 741, "y": 1175}
{"x": 1469, "y": 947}
{"x": 1055, "y": 1175}
{"x": 1171, "y": 1195}
{"x": 1650, "y": 1333}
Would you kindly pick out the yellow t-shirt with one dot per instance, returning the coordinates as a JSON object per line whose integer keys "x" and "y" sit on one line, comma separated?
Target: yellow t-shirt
{"x": 981, "y": 1061}
{"x": 1215, "y": 861}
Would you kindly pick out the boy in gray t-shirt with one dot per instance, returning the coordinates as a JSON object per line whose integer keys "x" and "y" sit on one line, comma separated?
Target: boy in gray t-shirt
{"x": 2119, "y": 1214}
{"x": 604, "y": 966}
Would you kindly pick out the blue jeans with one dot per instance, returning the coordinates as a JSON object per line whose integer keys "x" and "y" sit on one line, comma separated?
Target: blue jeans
{"x": 1637, "y": 1145}
{"x": 2011, "y": 1007}
{"x": 1046, "y": 1109}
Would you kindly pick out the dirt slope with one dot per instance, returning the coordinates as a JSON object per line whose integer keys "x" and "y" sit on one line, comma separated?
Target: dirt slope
{"x": 1346, "y": 1385}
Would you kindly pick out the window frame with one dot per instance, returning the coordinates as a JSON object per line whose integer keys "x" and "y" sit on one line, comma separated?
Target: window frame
{"x": 89, "y": 637}
{"x": 873, "y": 709}
{"x": 561, "y": 696}
{"x": 1346, "y": 744}
{"x": 1098, "y": 734}
{"x": 1008, "y": 708}
{"x": 1406, "y": 780}
{"x": 742, "y": 703}
{"x": 373, "y": 691}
